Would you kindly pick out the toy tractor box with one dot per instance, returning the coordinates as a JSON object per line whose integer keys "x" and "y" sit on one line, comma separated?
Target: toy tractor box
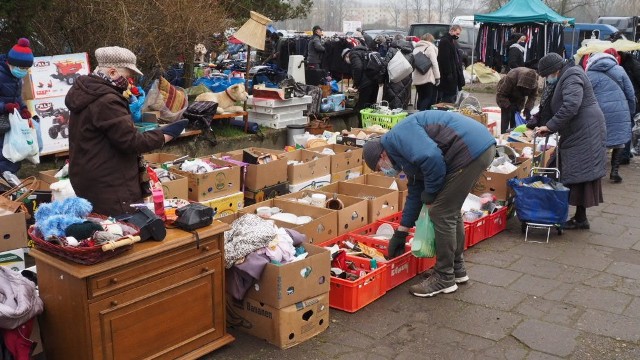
{"x": 52, "y": 76}
{"x": 54, "y": 123}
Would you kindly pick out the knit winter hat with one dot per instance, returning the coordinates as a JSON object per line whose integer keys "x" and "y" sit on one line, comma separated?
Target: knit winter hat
{"x": 371, "y": 152}
{"x": 115, "y": 56}
{"x": 20, "y": 54}
{"x": 549, "y": 64}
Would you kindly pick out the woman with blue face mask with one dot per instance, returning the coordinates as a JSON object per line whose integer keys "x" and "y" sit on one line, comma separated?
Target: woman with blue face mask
{"x": 577, "y": 118}
{"x": 442, "y": 154}
{"x": 14, "y": 66}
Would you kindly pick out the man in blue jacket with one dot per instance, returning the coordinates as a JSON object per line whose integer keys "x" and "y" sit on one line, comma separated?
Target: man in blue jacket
{"x": 442, "y": 154}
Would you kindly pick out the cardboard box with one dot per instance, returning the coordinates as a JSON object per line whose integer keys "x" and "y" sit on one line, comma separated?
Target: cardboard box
{"x": 482, "y": 118}
{"x": 311, "y": 184}
{"x": 311, "y": 166}
{"x": 284, "y": 285}
{"x": 226, "y": 205}
{"x": 176, "y": 189}
{"x": 13, "y": 231}
{"x": 354, "y": 215}
{"x": 14, "y": 259}
{"x": 381, "y": 202}
{"x": 54, "y": 119}
{"x": 52, "y": 76}
{"x": 285, "y": 327}
{"x": 354, "y": 141}
{"x": 208, "y": 186}
{"x": 347, "y": 174}
{"x": 253, "y": 196}
{"x": 47, "y": 176}
{"x": 346, "y": 157}
{"x": 380, "y": 180}
{"x": 324, "y": 225}
{"x": 496, "y": 183}
{"x": 157, "y": 159}
{"x": 260, "y": 176}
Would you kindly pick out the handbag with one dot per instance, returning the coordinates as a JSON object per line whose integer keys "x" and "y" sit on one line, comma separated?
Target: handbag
{"x": 5, "y": 125}
{"x": 422, "y": 62}
{"x": 12, "y": 200}
{"x": 399, "y": 67}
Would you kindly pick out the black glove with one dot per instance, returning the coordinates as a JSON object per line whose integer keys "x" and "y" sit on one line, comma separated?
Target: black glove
{"x": 397, "y": 243}
{"x": 427, "y": 198}
{"x": 175, "y": 129}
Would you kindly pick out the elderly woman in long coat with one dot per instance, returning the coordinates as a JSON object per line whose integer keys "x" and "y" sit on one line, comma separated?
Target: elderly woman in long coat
{"x": 580, "y": 123}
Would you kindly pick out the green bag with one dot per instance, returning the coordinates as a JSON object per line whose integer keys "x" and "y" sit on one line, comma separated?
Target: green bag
{"x": 424, "y": 240}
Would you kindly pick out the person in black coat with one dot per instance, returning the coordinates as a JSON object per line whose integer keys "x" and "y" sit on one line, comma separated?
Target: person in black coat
{"x": 366, "y": 86}
{"x": 398, "y": 94}
{"x": 516, "y": 52}
{"x": 368, "y": 40}
{"x": 631, "y": 66}
{"x": 451, "y": 75}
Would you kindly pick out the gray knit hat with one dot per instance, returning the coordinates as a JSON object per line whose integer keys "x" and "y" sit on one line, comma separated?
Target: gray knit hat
{"x": 371, "y": 152}
{"x": 549, "y": 64}
{"x": 117, "y": 57}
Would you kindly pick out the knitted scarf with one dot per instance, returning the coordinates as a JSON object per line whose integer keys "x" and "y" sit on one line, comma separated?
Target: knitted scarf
{"x": 97, "y": 72}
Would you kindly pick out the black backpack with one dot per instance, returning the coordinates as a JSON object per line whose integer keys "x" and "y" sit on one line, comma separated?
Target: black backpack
{"x": 375, "y": 68}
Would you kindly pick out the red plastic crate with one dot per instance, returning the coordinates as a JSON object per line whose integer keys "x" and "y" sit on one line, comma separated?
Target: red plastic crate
{"x": 467, "y": 235}
{"x": 399, "y": 269}
{"x": 394, "y": 218}
{"x": 351, "y": 296}
{"x": 497, "y": 221}
{"x": 371, "y": 229}
{"x": 424, "y": 264}
{"x": 478, "y": 230}
{"x": 343, "y": 237}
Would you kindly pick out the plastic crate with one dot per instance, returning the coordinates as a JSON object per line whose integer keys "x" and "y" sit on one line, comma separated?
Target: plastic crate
{"x": 497, "y": 221}
{"x": 351, "y": 296}
{"x": 467, "y": 235}
{"x": 393, "y": 218}
{"x": 399, "y": 269}
{"x": 386, "y": 121}
{"x": 370, "y": 230}
{"x": 478, "y": 230}
{"x": 343, "y": 237}
{"x": 424, "y": 264}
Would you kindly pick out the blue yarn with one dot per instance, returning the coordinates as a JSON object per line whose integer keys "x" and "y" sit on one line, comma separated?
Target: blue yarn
{"x": 56, "y": 225}
{"x": 53, "y": 218}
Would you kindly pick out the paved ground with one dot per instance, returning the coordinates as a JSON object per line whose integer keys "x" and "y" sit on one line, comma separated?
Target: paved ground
{"x": 577, "y": 297}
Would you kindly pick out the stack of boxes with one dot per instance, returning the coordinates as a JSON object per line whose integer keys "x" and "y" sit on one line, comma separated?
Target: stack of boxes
{"x": 345, "y": 164}
{"x": 307, "y": 170}
{"x": 277, "y": 114}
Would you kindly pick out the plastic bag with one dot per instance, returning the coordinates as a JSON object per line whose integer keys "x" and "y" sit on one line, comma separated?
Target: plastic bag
{"x": 21, "y": 141}
{"x": 520, "y": 120}
{"x": 136, "y": 106}
{"x": 424, "y": 240}
{"x": 399, "y": 68}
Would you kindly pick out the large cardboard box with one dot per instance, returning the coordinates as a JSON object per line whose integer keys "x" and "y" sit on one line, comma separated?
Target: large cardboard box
{"x": 13, "y": 259}
{"x": 287, "y": 284}
{"x": 218, "y": 183}
{"x": 226, "y": 205}
{"x": 354, "y": 215}
{"x": 157, "y": 159}
{"x": 13, "y": 231}
{"x": 347, "y": 174}
{"x": 354, "y": 140}
{"x": 54, "y": 120}
{"x": 378, "y": 179}
{"x": 311, "y": 184}
{"x": 260, "y": 176}
{"x": 176, "y": 189}
{"x": 324, "y": 225}
{"x": 381, "y": 202}
{"x": 253, "y": 196}
{"x": 496, "y": 183}
{"x": 346, "y": 157}
{"x": 285, "y": 327}
{"x": 311, "y": 166}
{"x": 52, "y": 76}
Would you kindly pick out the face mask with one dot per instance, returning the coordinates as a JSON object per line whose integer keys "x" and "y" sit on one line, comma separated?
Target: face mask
{"x": 387, "y": 168}
{"x": 552, "y": 80}
{"x": 18, "y": 72}
{"x": 121, "y": 82}
{"x": 455, "y": 37}
{"x": 522, "y": 43}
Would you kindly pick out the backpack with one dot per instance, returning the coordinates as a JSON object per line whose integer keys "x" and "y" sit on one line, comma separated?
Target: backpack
{"x": 375, "y": 68}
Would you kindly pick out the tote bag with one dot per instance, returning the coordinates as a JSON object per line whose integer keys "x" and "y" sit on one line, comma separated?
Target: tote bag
{"x": 399, "y": 67}
{"x": 21, "y": 141}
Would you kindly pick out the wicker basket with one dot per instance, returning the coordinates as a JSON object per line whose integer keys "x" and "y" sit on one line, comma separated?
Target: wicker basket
{"x": 82, "y": 255}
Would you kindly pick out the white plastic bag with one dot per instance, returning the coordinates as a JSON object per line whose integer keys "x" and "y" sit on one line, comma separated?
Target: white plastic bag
{"x": 21, "y": 141}
{"x": 399, "y": 67}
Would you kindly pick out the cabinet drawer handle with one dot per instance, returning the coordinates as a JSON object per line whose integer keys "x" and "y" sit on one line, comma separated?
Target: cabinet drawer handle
{"x": 205, "y": 269}
{"x": 206, "y": 248}
{"x": 114, "y": 303}
{"x": 114, "y": 280}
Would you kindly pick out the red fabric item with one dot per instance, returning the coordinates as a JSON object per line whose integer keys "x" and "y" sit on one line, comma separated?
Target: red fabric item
{"x": 612, "y": 51}
{"x": 26, "y": 114}
{"x": 17, "y": 341}
{"x": 9, "y": 107}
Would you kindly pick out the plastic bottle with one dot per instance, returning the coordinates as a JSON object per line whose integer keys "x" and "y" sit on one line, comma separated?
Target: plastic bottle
{"x": 374, "y": 264}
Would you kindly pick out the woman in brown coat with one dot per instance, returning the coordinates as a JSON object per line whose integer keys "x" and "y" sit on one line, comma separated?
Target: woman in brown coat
{"x": 104, "y": 146}
{"x": 517, "y": 90}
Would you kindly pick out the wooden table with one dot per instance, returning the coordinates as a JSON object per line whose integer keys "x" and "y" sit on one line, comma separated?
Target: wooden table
{"x": 160, "y": 300}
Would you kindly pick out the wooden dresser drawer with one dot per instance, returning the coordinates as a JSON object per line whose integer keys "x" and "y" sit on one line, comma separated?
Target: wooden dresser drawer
{"x": 151, "y": 269}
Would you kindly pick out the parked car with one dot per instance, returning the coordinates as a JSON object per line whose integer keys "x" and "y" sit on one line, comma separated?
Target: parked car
{"x": 389, "y": 33}
{"x": 629, "y": 25}
{"x": 575, "y": 35}
{"x": 466, "y": 41}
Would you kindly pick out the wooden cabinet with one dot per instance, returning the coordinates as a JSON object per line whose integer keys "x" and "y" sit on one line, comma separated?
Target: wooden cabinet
{"x": 160, "y": 300}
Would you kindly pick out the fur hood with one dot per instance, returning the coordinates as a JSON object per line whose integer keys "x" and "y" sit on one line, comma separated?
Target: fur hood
{"x": 528, "y": 79}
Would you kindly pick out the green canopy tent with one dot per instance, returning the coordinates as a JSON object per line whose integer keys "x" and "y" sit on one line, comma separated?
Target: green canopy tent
{"x": 524, "y": 12}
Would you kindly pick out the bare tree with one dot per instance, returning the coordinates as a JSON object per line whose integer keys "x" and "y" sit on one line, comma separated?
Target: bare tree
{"x": 418, "y": 5}
{"x": 441, "y": 8}
{"x": 407, "y": 19}
{"x": 395, "y": 10}
{"x": 564, "y": 7}
{"x": 452, "y": 7}
{"x": 492, "y": 5}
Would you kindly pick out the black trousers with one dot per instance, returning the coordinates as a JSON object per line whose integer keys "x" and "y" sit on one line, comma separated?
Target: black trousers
{"x": 426, "y": 96}
{"x": 507, "y": 119}
{"x": 366, "y": 97}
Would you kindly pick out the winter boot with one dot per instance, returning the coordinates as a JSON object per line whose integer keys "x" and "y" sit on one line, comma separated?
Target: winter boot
{"x": 616, "y": 155}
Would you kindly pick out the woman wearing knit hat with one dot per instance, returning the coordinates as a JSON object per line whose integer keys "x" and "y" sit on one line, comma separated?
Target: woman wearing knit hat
{"x": 13, "y": 67}
{"x": 104, "y": 146}
{"x": 580, "y": 123}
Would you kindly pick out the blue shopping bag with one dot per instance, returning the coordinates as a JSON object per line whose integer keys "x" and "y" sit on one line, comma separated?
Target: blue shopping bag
{"x": 520, "y": 120}
{"x": 538, "y": 205}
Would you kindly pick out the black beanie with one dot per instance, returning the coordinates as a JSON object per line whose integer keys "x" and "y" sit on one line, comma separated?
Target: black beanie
{"x": 549, "y": 64}
{"x": 371, "y": 152}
